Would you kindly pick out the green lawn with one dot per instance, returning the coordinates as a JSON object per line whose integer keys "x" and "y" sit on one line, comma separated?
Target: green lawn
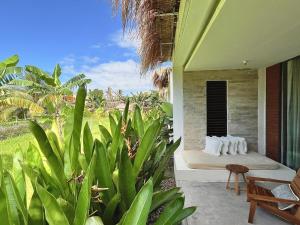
{"x": 9, "y": 146}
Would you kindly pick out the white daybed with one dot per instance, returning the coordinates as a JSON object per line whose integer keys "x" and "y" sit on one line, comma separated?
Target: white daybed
{"x": 253, "y": 160}
{"x": 201, "y": 167}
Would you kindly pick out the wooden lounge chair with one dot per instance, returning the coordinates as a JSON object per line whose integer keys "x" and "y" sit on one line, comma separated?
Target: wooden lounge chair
{"x": 262, "y": 197}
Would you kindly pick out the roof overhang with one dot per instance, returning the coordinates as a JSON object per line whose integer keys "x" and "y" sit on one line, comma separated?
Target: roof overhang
{"x": 235, "y": 34}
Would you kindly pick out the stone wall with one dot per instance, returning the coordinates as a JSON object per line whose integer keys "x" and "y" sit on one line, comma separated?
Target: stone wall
{"x": 242, "y": 103}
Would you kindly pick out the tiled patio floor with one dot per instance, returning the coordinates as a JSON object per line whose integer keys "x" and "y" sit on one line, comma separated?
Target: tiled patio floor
{"x": 216, "y": 206}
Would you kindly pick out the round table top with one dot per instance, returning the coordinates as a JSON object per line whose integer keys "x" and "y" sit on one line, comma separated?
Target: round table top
{"x": 235, "y": 168}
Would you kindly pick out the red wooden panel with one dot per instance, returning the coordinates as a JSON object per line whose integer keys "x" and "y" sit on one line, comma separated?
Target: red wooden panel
{"x": 273, "y": 112}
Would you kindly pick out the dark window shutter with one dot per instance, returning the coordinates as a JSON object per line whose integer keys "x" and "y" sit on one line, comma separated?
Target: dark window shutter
{"x": 216, "y": 102}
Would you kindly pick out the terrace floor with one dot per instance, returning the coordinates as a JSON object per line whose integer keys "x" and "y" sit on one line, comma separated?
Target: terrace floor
{"x": 215, "y": 206}
{"x": 206, "y": 189}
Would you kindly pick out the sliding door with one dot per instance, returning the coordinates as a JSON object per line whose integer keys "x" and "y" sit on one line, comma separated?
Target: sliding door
{"x": 283, "y": 113}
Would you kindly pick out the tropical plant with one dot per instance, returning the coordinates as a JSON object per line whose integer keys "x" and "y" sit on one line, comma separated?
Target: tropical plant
{"x": 9, "y": 69}
{"x": 48, "y": 91}
{"x": 167, "y": 130}
{"x": 14, "y": 100}
{"x": 114, "y": 180}
{"x": 95, "y": 99}
{"x": 146, "y": 100}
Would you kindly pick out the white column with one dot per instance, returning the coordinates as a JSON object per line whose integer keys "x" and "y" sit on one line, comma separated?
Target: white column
{"x": 171, "y": 88}
{"x": 177, "y": 93}
{"x": 262, "y": 111}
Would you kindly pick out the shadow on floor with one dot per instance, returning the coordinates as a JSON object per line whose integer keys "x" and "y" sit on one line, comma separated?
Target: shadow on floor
{"x": 217, "y": 206}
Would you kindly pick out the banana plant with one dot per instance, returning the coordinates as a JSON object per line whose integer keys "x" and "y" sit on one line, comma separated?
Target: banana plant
{"x": 10, "y": 98}
{"x": 9, "y": 69}
{"x": 112, "y": 179}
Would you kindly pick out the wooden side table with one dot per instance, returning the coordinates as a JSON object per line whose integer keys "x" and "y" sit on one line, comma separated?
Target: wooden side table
{"x": 236, "y": 169}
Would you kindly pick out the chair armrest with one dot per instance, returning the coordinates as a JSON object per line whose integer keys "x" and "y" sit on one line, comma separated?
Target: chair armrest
{"x": 250, "y": 178}
{"x": 264, "y": 198}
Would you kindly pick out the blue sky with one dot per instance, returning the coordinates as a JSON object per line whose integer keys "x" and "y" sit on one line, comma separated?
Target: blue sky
{"x": 82, "y": 35}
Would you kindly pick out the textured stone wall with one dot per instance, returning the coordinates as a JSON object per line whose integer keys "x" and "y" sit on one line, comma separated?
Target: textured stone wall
{"x": 242, "y": 103}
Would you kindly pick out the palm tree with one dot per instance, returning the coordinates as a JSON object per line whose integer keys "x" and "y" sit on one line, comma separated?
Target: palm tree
{"x": 160, "y": 80}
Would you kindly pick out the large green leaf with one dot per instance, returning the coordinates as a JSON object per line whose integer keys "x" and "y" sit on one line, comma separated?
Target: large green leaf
{"x": 76, "y": 81}
{"x": 115, "y": 145}
{"x": 125, "y": 113}
{"x": 83, "y": 162}
{"x": 182, "y": 214}
{"x": 54, "y": 213}
{"x": 40, "y": 74}
{"x": 170, "y": 212}
{"x": 67, "y": 208}
{"x": 5, "y": 218}
{"x": 167, "y": 108}
{"x": 77, "y": 125}
{"x": 160, "y": 151}
{"x": 18, "y": 198}
{"x": 164, "y": 161}
{"x": 36, "y": 212}
{"x": 94, "y": 220}
{"x": 1, "y": 169}
{"x": 56, "y": 74}
{"x": 138, "y": 123}
{"x": 106, "y": 137}
{"x": 161, "y": 197}
{"x": 84, "y": 198}
{"x": 108, "y": 215}
{"x": 18, "y": 174}
{"x": 11, "y": 61}
{"x": 103, "y": 173}
{"x": 54, "y": 142}
{"x": 54, "y": 163}
{"x": 87, "y": 142}
{"x": 112, "y": 124}
{"x": 140, "y": 208}
{"x": 126, "y": 180}
{"x": 147, "y": 143}
{"x": 12, "y": 204}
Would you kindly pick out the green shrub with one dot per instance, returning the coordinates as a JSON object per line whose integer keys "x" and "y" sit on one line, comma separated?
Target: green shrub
{"x": 111, "y": 180}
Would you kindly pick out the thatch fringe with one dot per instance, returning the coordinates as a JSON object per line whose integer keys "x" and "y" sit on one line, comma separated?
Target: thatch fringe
{"x": 161, "y": 78}
{"x": 155, "y": 21}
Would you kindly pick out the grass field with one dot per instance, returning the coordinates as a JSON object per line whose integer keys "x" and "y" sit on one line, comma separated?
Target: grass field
{"x": 9, "y": 146}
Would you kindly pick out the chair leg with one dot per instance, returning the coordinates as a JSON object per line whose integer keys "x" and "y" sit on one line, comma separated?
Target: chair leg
{"x": 252, "y": 211}
{"x": 228, "y": 181}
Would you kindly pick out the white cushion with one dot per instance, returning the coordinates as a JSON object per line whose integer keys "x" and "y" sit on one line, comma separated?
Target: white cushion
{"x": 233, "y": 145}
{"x": 284, "y": 191}
{"x": 242, "y": 146}
{"x": 213, "y": 146}
{"x": 225, "y": 147}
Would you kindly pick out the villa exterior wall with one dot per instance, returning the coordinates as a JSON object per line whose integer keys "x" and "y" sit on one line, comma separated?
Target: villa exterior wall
{"x": 242, "y": 105}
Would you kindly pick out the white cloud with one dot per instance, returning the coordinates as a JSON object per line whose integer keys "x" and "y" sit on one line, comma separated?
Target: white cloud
{"x": 90, "y": 59}
{"x": 67, "y": 64}
{"x": 122, "y": 75}
{"x": 69, "y": 59}
{"x": 128, "y": 40}
{"x": 98, "y": 45}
